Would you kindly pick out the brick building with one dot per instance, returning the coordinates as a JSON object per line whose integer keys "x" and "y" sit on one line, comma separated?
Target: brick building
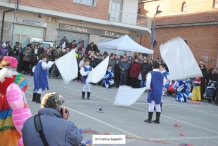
{"x": 194, "y": 20}
{"x": 89, "y": 20}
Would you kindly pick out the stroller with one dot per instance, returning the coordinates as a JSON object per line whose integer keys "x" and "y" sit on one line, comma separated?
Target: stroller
{"x": 210, "y": 92}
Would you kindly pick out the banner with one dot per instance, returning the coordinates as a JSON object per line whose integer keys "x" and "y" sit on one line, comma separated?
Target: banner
{"x": 67, "y": 66}
{"x": 98, "y": 72}
{"x": 127, "y": 95}
{"x": 179, "y": 59}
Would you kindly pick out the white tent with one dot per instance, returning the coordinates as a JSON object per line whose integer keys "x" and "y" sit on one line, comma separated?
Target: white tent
{"x": 125, "y": 43}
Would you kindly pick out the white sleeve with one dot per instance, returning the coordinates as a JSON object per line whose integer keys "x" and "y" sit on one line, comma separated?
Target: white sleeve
{"x": 82, "y": 72}
{"x": 45, "y": 65}
{"x": 81, "y": 63}
{"x": 148, "y": 81}
{"x": 164, "y": 81}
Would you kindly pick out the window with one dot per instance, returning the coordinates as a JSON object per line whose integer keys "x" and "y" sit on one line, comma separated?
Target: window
{"x": 215, "y": 3}
{"x": 184, "y": 7}
{"x": 139, "y": 11}
{"x": 85, "y": 2}
{"x": 116, "y": 8}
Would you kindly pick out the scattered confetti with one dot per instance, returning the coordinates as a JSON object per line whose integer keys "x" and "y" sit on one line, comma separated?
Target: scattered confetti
{"x": 195, "y": 102}
{"x": 177, "y": 125}
{"x": 181, "y": 134}
{"x": 185, "y": 144}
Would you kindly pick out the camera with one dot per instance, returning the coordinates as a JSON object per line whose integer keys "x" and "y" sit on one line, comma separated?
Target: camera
{"x": 61, "y": 111}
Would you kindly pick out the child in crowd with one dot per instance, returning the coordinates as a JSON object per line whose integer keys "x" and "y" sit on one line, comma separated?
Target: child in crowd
{"x": 108, "y": 78}
{"x": 196, "y": 89}
{"x": 183, "y": 89}
{"x": 85, "y": 72}
{"x": 40, "y": 77}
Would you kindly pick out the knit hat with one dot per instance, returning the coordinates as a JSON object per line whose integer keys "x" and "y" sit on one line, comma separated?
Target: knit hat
{"x": 13, "y": 61}
{"x": 52, "y": 100}
{"x": 4, "y": 45}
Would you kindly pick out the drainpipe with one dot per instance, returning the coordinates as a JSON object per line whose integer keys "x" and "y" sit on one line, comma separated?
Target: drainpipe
{"x": 3, "y": 20}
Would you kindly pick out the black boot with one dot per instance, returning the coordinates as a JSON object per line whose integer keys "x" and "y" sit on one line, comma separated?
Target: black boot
{"x": 161, "y": 106}
{"x": 149, "y": 117}
{"x": 34, "y": 97}
{"x": 38, "y": 98}
{"x": 157, "y": 118}
{"x": 83, "y": 95}
{"x": 88, "y": 95}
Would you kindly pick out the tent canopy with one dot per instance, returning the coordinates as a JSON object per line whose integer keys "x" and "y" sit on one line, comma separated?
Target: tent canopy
{"x": 125, "y": 43}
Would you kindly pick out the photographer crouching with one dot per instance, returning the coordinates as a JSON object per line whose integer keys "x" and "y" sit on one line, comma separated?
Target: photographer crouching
{"x": 50, "y": 127}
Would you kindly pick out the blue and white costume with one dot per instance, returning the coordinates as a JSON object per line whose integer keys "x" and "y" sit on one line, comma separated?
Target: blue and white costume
{"x": 108, "y": 79}
{"x": 183, "y": 89}
{"x": 40, "y": 77}
{"x": 84, "y": 72}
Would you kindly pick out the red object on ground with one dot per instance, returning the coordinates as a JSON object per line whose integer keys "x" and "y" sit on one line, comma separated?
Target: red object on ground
{"x": 181, "y": 134}
{"x": 195, "y": 102}
{"x": 177, "y": 125}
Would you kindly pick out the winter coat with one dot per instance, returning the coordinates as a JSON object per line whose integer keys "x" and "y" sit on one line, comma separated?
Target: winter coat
{"x": 134, "y": 70}
{"x": 41, "y": 50}
{"x": 16, "y": 54}
{"x": 57, "y": 130}
{"x": 112, "y": 62}
{"x": 124, "y": 65}
{"x": 97, "y": 61}
{"x": 28, "y": 56}
{"x": 145, "y": 70}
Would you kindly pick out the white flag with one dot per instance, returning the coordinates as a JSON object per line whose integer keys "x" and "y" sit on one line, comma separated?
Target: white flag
{"x": 67, "y": 66}
{"x": 127, "y": 95}
{"x": 64, "y": 45}
{"x": 179, "y": 59}
{"x": 98, "y": 72}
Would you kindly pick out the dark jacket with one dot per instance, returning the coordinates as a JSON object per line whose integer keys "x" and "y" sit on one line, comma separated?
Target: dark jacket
{"x": 145, "y": 70}
{"x": 41, "y": 50}
{"x": 27, "y": 55}
{"x": 134, "y": 70}
{"x": 97, "y": 61}
{"x": 16, "y": 54}
{"x": 92, "y": 63}
{"x": 112, "y": 62}
{"x": 124, "y": 65}
{"x": 58, "y": 131}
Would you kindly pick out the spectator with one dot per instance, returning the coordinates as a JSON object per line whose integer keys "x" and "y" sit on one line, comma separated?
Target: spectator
{"x": 27, "y": 58}
{"x": 112, "y": 61}
{"x": 145, "y": 70}
{"x": 81, "y": 63}
{"x": 98, "y": 60}
{"x": 134, "y": 71}
{"x": 73, "y": 44}
{"x": 3, "y": 51}
{"x": 16, "y": 53}
{"x": 140, "y": 58}
{"x": 79, "y": 75}
{"x": 124, "y": 68}
{"x": 64, "y": 39}
{"x": 53, "y": 120}
{"x": 117, "y": 73}
{"x": 92, "y": 62}
{"x": 9, "y": 49}
{"x": 80, "y": 49}
{"x": 91, "y": 47}
{"x": 34, "y": 58}
{"x": 20, "y": 63}
{"x": 40, "y": 50}
{"x": 203, "y": 79}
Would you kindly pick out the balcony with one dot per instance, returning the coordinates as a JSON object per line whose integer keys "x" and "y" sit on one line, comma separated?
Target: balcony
{"x": 129, "y": 18}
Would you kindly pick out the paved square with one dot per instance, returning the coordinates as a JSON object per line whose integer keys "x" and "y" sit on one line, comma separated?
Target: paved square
{"x": 181, "y": 123}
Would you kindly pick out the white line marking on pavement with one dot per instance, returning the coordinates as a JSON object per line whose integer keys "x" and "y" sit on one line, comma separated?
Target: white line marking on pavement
{"x": 161, "y": 115}
{"x": 102, "y": 122}
{"x": 193, "y": 109}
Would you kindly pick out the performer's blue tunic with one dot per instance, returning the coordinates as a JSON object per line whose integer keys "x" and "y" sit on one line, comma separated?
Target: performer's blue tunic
{"x": 40, "y": 78}
{"x": 156, "y": 87}
{"x": 85, "y": 77}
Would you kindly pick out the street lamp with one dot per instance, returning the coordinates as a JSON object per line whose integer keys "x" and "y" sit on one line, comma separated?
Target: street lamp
{"x": 153, "y": 30}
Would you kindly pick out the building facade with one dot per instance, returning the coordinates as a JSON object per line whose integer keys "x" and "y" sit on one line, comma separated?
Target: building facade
{"x": 89, "y": 20}
{"x": 196, "y": 21}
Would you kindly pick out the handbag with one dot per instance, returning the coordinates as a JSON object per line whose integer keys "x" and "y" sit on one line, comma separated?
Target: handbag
{"x": 140, "y": 76}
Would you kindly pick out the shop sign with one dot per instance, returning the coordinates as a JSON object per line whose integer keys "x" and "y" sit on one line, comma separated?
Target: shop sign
{"x": 89, "y": 30}
{"x": 31, "y": 22}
